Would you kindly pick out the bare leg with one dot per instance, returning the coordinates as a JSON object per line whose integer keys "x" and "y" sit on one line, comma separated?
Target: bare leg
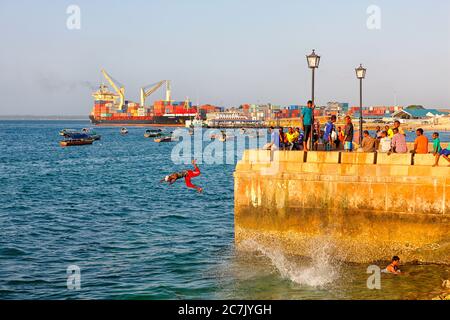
{"x": 436, "y": 162}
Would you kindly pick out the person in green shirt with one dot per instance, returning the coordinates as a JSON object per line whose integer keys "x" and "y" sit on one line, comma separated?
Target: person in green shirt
{"x": 438, "y": 151}
{"x": 436, "y": 143}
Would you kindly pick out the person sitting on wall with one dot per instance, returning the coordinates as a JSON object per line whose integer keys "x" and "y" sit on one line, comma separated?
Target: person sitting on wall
{"x": 444, "y": 153}
{"x": 399, "y": 142}
{"x": 368, "y": 143}
{"x": 291, "y": 137}
{"x": 385, "y": 143}
{"x": 389, "y": 131}
{"x": 421, "y": 143}
{"x": 274, "y": 140}
{"x": 394, "y": 266}
{"x": 298, "y": 143}
{"x": 397, "y": 125}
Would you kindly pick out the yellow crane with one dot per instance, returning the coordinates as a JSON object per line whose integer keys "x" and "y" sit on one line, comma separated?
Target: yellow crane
{"x": 120, "y": 89}
{"x": 148, "y": 90}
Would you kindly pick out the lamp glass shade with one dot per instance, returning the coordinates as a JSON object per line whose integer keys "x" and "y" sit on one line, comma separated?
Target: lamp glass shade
{"x": 360, "y": 72}
{"x": 313, "y": 60}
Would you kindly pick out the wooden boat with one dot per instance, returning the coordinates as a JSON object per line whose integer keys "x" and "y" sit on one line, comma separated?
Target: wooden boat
{"x": 163, "y": 139}
{"x": 75, "y": 142}
{"x": 153, "y": 133}
{"x": 76, "y": 139}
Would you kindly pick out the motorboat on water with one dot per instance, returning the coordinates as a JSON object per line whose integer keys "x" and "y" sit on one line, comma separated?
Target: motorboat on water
{"x": 70, "y": 133}
{"x": 76, "y": 139}
{"x": 163, "y": 139}
{"x": 153, "y": 133}
{"x": 74, "y": 142}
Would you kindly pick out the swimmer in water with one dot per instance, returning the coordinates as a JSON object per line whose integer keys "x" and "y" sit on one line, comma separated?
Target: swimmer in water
{"x": 187, "y": 175}
{"x": 394, "y": 266}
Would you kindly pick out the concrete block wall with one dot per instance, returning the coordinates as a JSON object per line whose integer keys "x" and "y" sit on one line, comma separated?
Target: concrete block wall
{"x": 370, "y": 205}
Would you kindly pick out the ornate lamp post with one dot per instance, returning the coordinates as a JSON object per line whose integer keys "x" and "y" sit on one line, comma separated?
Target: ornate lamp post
{"x": 313, "y": 62}
{"x": 360, "y": 74}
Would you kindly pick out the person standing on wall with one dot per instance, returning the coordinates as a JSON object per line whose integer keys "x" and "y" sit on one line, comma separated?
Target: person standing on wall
{"x": 327, "y": 136}
{"x": 348, "y": 134}
{"x": 306, "y": 119}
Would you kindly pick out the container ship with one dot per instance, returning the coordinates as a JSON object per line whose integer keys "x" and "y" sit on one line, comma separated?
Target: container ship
{"x": 111, "y": 108}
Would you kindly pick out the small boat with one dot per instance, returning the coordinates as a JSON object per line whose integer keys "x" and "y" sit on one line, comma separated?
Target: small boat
{"x": 163, "y": 139}
{"x": 76, "y": 140}
{"x": 153, "y": 133}
{"x": 123, "y": 131}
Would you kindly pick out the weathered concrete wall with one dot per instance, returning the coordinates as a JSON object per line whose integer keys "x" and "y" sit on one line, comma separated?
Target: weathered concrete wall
{"x": 368, "y": 206}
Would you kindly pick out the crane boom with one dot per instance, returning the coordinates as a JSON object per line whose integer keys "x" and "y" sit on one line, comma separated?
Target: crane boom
{"x": 145, "y": 92}
{"x": 120, "y": 90}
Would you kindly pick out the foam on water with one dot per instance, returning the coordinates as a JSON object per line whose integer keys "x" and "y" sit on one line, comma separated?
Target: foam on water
{"x": 321, "y": 270}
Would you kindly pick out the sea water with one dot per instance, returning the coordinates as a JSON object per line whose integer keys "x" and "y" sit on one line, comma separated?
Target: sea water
{"x": 101, "y": 208}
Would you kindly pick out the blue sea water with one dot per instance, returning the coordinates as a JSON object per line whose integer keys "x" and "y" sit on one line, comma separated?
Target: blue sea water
{"x": 101, "y": 207}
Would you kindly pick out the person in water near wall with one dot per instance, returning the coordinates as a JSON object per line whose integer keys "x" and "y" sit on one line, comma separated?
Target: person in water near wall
{"x": 394, "y": 266}
{"x": 187, "y": 175}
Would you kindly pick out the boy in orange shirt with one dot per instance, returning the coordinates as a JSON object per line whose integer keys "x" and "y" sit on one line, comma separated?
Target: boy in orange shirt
{"x": 421, "y": 142}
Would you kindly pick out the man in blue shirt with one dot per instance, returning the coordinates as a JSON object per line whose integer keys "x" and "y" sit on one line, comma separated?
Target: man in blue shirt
{"x": 306, "y": 118}
{"x": 327, "y": 134}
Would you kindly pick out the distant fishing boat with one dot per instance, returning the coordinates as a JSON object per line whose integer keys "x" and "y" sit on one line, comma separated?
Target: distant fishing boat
{"x": 70, "y": 133}
{"x": 76, "y": 140}
{"x": 152, "y": 133}
{"x": 163, "y": 139}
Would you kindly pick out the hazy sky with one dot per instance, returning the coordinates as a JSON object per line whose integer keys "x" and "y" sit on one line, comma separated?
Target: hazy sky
{"x": 224, "y": 52}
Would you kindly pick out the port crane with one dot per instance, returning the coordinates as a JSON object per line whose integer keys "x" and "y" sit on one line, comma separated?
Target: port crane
{"x": 148, "y": 90}
{"x": 118, "y": 87}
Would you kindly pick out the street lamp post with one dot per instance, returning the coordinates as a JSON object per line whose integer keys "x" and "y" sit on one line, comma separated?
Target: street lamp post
{"x": 360, "y": 74}
{"x": 313, "y": 63}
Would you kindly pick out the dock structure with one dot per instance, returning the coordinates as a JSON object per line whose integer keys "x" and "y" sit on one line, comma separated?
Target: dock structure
{"x": 365, "y": 206}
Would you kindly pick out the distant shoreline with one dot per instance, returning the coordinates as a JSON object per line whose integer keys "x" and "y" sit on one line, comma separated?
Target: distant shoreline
{"x": 44, "y": 118}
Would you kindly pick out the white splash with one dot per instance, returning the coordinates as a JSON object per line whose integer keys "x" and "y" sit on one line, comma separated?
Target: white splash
{"x": 320, "y": 271}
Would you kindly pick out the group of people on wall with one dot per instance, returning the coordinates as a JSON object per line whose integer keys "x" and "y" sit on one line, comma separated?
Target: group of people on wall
{"x": 329, "y": 137}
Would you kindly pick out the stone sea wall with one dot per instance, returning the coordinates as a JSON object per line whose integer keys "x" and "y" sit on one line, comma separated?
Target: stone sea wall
{"x": 364, "y": 206}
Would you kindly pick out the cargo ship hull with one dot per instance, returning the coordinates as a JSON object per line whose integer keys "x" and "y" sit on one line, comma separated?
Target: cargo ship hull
{"x": 154, "y": 121}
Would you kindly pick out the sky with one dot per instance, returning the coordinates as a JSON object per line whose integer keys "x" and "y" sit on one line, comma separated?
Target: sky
{"x": 224, "y": 52}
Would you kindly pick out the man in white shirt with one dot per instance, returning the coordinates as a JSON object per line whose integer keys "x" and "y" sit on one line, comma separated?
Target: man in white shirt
{"x": 385, "y": 143}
